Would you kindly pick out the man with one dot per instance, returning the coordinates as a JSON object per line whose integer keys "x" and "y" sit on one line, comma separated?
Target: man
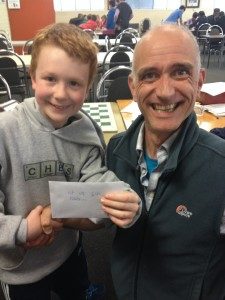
{"x": 215, "y": 17}
{"x": 176, "y": 249}
{"x": 123, "y": 15}
{"x": 176, "y": 16}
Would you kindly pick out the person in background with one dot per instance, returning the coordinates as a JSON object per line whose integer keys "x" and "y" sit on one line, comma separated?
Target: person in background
{"x": 201, "y": 19}
{"x": 110, "y": 22}
{"x": 221, "y": 21}
{"x": 123, "y": 15}
{"x": 48, "y": 138}
{"x": 102, "y": 23}
{"x": 190, "y": 23}
{"x": 176, "y": 249}
{"x": 176, "y": 16}
{"x": 214, "y": 18}
{"x": 91, "y": 23}
{"x": 78, "y": 20}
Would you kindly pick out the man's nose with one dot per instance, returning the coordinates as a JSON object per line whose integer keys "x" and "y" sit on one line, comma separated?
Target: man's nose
{"x": 165, "y": 87}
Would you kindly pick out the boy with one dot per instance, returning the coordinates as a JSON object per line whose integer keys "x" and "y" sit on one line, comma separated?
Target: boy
{"x": 49, "y": 138}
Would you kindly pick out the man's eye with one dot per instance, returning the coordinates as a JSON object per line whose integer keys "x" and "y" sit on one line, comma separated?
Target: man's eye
{"x": 181, "y": 73}
{"x": 149, "y": 77}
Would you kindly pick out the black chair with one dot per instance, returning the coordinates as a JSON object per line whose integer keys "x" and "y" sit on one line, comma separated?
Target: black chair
{"x": 106, "y": 92}
{"x": 4, "y": 88}
{"x": 116, "y": 56}
{"x": 127, "y": 39}
{"x": 13, "y": 69}
{"x": 201, "y": 32}
{"x": 119, "y": 89}
{"x": 5, "y": 43}
{"x": 145, "y": 25}
{"x": 27, "y": 47}
{"x": 134, "y": 31}
{"x": 213, "y": 45}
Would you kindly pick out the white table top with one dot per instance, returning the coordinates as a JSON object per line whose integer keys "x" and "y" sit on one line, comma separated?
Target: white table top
{"x": 101, "y": 42}
{"x": 18, "y": 43}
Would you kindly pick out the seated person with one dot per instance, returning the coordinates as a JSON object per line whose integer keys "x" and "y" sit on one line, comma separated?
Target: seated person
{"x": 91, "y": 23}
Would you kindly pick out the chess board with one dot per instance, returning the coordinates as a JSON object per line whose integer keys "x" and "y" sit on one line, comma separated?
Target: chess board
{"x": 102, "y": 113}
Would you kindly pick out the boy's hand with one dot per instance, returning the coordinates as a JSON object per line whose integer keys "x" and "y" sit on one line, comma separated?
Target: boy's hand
{"x": 48, "y": 224}
{"x": 34, "y": 229}
{"x": 121, "y": 207}
{"x": 42, "y": 240}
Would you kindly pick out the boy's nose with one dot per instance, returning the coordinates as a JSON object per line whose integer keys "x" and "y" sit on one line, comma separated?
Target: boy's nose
{"x": 60, "y": 91}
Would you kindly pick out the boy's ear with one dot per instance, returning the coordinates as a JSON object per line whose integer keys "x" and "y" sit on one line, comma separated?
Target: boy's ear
{"x": 33, "y": 81}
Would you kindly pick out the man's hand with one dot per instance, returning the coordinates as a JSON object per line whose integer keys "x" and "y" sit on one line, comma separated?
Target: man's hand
{"x": 35, "y": 235}
{"x": 47, "y": 223}
{"x": 121, "y": 207}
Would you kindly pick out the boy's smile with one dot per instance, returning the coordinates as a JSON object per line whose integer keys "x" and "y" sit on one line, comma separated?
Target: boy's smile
{"x": 60, "y": 84}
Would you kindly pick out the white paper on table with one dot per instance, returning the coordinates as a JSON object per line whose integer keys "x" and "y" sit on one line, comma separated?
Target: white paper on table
{"x": 213, "y": 88}
{"x": 133, "y": 109}
{"x": 80, "y": 199}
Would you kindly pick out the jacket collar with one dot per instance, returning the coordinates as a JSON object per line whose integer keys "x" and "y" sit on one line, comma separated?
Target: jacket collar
{"x": 185, "y": 140}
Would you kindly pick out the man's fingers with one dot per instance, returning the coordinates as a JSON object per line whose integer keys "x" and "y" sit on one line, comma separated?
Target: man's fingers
{"x": 124, "y": 196}
{"x": 46, "y": 218}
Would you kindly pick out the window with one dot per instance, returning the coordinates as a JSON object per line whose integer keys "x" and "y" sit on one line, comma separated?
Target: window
{"x": 141, "y": 4}
{"x": 71, "y": 5}
{"x": 167, "y": 4}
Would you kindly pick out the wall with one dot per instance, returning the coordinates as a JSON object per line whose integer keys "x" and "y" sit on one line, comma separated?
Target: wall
{"x": 33, "y": 15}
{"x": 156, "y": 16}
{"x": 4, "y": 20}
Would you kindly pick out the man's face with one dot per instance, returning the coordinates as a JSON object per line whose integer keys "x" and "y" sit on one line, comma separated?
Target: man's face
{"x": 166, "y": 82}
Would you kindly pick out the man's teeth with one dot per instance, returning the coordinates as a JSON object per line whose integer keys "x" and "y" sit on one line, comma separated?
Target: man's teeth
{"x": 168, "y": 108}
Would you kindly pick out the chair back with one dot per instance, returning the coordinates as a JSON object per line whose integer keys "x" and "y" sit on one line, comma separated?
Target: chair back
{"x": 15, "y": 75}
{"x": 202, "y": 29}
{"x": 134, "y": 31}
{"x": 119, "y": 89}
{"x": 118, "y": 56}
{"x": 145, "y": 26}
{"x": 4, "y": 85}
{"x": 27, "y": 47}
{"x": 5, "y": 43}
{"x": 102, "y": 89}
{"x": 127, "y": 39}
{"x": 214, "y": 30}
{"x": 108, "y": 45}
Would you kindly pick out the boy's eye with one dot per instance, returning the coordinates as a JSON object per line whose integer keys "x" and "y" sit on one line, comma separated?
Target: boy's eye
{"x": 50, "y": 78}
{"x": 73, "y": 83}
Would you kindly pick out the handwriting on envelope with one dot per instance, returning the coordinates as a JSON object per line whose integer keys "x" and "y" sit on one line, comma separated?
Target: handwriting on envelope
{"x": 80, "y": 199}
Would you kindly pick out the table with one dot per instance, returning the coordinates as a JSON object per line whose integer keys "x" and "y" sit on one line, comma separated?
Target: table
{"x": 119, "y": 122}
{"x": 207, "y": 121}
{"x": 18, "y": 43}
{"x": 101, "y": 42}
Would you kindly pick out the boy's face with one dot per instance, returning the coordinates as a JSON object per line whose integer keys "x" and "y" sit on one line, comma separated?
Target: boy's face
{"x": 60, "y": 84}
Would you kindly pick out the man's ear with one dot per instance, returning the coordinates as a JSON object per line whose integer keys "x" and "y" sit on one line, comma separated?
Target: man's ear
{"x": 131, "y": 83}
{"x": 201, "y": 80}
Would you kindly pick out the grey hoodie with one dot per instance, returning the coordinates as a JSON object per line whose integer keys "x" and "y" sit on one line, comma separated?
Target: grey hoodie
{"x": 32, "y": 152}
